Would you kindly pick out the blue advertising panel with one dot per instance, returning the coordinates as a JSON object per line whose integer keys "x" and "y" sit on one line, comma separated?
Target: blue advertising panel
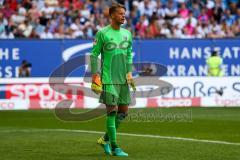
{"x": 181, "y": 57}
{"x": 43, "y": 55}
{"x": 188, "y": 57}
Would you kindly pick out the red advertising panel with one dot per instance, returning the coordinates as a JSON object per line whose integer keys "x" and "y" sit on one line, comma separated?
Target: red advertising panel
{"x": 41, "y": 95}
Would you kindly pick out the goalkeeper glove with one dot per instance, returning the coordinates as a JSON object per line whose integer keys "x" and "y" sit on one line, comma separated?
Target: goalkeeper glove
{"x": 132, "y": 84}
{"x": 96, "y": 84}
{"x": 130, "y": 81}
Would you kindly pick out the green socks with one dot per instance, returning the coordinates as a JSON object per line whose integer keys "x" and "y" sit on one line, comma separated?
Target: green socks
{"x": 118, "y": 120}
{"x": 111, "y": 129}
{"x": 117, "y": 123}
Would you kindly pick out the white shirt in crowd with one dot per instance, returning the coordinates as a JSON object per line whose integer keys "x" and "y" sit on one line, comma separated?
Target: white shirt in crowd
{"x": 46, "y": 35}
{"x": 4, "y": 35}
{"x": 48, "y": 11}
{"x": 147, "y": 10}
{"x": 179, "y": 21}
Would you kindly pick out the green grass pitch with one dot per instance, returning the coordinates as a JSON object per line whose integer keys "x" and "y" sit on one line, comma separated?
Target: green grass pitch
{"x": 24, "y": 135}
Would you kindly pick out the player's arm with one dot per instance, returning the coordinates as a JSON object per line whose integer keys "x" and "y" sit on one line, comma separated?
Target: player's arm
{"x": 208, "y": 67}
{"x": 130, "y": 64}
{"x": 129, "y": 55}
{"x": 96, "y": 50}
{"x": 220, "y": 67}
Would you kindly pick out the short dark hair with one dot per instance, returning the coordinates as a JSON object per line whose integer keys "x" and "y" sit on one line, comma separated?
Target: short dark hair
{"x": 114, "y": 7}
{"x": 214, "y": 53}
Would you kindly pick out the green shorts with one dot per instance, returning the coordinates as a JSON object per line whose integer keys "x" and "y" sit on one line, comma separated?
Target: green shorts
{"x": 115, "y": 94}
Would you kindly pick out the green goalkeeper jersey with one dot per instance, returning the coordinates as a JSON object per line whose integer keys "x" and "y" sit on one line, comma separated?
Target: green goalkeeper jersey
{"x": 115, "y": 47}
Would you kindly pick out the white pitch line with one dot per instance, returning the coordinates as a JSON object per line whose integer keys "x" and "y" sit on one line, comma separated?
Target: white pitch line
{"x": 122, "y": 134}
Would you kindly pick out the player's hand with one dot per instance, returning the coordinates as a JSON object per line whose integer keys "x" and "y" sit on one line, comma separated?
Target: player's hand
{"x": 129, "y": 77}
{"x": 96, "y": 84}
{"x": 130, "y": 81}
{"x": 133, "y": 86}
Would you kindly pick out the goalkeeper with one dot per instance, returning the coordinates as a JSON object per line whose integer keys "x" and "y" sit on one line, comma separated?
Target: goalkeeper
{"x": 114, "y": 44}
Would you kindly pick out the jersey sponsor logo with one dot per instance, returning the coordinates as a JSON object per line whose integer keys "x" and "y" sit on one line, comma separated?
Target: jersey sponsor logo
{"x": 110, "y": 46}
{"x": 124, "y": 45}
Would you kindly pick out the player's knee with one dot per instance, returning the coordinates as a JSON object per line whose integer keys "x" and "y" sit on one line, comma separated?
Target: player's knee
{"x": 122, "y": 115}
{"x": 111, "y": 110}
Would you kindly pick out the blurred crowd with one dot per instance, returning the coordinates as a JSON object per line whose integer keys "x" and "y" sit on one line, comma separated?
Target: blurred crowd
{"x": 48, "y": 19}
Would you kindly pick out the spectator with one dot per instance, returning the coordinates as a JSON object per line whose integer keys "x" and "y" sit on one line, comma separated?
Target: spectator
{"x": 46, "y": 34}
{"x": 161, "y": 12}
{"x": 165, "y": 31}
{"x": 5, "y": 31}
{"x": 7, "y": 11}
{"x": 47, "y": 10}
{"x": 145, "y": 18}
{"x": 175, "y": 32}
{"x": 25, "y": 28}
{"x": 203, "y": 17}
{"x": 153, "y": 29}
{"x": 183, "y": 11}
{"x": 179, "y": 21}
{"x": 170, "y": 11}
{"x": 34, "y": 34}
{"x": 217, "y": 11}
{"x": 141, "y": 27}
{"x": 189, "y": 29}
{"x": 129, "y": 25}
{"x": 34, "y": 12}
{"x": 3, "y": 23}
{"x": 77, "y": 28}
{"x": 196, "y": 9}
{"x": 192, "y": 19}
{"x": 146, "y": 7}
{"x": 229, "y": 18}
{"x": 135, "y": 15}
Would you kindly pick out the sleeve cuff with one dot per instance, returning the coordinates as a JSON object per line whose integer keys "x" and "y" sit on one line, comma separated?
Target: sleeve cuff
{"x": 129, "y": 67}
